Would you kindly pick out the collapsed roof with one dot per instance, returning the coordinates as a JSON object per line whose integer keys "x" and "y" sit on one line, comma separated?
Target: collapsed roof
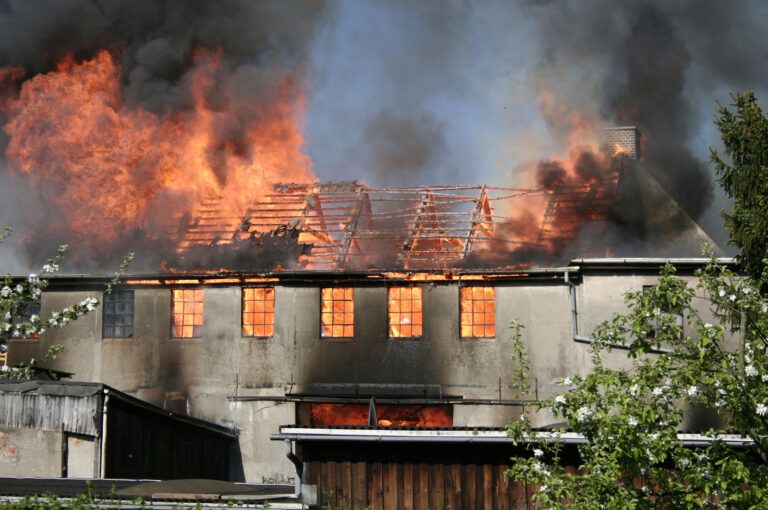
{"x": 348, "y": 225}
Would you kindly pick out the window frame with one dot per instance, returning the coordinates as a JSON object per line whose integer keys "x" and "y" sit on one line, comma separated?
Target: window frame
{"x": 472, "y": 313}
{"x": 26, "y": 314}
{"x": 194, "y": 326}
{"x": 413, "y": 324}
{"x": 343, "y": 325}
{"x": 104, "y": 313}
{"x": 243, "y": 313}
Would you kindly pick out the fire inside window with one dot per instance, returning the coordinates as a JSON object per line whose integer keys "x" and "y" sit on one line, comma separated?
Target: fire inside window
{"x": 187, "y": 313}
{"x": 405, "y": 318}
{"x": 259, "y": 311}
{"x": 118, "y": 314}
{"x": 337, "y": 312}
{"x": 32, "y": 308}
{"x": 478, "y": 312}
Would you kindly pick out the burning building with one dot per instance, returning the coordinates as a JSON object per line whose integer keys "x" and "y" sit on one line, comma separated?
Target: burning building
{"x": 337, "y": 304}
{"x": 268, "y": 298}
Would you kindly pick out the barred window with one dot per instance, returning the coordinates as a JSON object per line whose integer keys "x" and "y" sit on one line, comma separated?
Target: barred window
{"x": 187, "y": 313}
{"x": 478, "y": 312}
{"x": 405, "y": 314}
{"x": 337, "y": 312}
{"x": 118, "y": 314}
{"x": 259, "y": 311}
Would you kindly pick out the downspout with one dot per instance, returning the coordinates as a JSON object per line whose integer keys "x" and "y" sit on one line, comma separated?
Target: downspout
{"x": 574, "y": 311}
{"x": 103, "y": 453}
{"x": 288, "y": 445}
{"x": 575, "y": 316}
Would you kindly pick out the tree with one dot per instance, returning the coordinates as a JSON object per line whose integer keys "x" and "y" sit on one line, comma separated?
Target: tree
{"x": 630, "y": 418}
{"x": 744, "y": 179}
{"x": 17, "y": 295}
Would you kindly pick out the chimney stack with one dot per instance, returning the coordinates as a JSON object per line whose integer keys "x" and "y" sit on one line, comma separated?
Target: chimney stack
{"x": 626, "y": 137}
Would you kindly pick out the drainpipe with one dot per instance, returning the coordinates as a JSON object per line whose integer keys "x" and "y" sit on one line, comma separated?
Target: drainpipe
{"x": 102, "y": 463}
{"x": 288, "y": 445}
{"x": 574, "y": 311}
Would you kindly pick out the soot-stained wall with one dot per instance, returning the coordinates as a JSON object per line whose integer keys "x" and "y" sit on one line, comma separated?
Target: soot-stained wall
{"x": 254, "y": 383}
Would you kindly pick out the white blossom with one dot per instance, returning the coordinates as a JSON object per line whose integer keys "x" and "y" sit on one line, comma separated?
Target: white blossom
{"x": 537, "y": 452}
{"x": 657, "y": 391}
{"x": 538, "y": 466}
{"x": 707, "y": 326}
{"x": 732, "y": 297}
{"x": 761, "y": 409}
{"x": 684, "y": 461}
{"x": 748, "y": 358}
{"x": 720, "y": 403}
{"x": 33, "y": 318}
{"x": 693, "y": 391}
{"x": 583, "y": 413}
{"x": 721, "y": 292}
{"x": 633, "y": 390}
{"x": 632, "y": 421}
{"x": 560, "y": 399}
{"x": 19, "y": 289}
{"x": 5, "y": 291}
{"x": 751, "y": 371}
{"x": 50, "y": 268}
{"x": 764, "y": 377}
{"x": 567, "y": 381}
{"x": 543, "y": 488}
{"x": 764, "y": 308}
{"x": 747, "y": 290}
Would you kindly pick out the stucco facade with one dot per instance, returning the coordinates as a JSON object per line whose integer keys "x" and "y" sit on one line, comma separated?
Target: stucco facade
{"x": 257, "y": 384}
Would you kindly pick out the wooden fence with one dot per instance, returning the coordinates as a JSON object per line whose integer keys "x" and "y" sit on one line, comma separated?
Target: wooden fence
{"x": 413, "y": 476}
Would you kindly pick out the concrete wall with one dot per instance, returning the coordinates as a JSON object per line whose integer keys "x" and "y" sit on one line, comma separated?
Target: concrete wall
{"x": 27, "y": 452}
{"x": 202, "y": 375}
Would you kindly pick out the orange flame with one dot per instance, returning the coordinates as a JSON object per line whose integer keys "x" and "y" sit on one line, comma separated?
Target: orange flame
{"x": 411, "y": 415}
{"x": 111, "y": 168}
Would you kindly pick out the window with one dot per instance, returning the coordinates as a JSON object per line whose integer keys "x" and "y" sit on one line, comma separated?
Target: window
{"x": 405, "y": 318}
{"x": 118, "y": 314}
{"x": 258, "y": 311}
{"x": 187, "y": 310}
{"x": 478, "y": 312}
{"x": 665, "y": 308}
{"x": 337, "y": 312}
{"x": 32, "y": 309}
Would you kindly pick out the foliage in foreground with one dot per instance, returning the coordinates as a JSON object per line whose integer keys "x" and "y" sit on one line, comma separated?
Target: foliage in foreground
{"x": 634, "y": 458}
{"x": 744, "y": 178}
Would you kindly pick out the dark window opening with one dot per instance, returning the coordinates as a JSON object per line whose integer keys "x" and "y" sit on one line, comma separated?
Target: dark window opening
{"x": 118, "y": 314}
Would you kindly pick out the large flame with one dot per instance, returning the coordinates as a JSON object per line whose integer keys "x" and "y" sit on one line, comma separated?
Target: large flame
{"x": 111, "y": 169}
{"x": 387, "y": 415}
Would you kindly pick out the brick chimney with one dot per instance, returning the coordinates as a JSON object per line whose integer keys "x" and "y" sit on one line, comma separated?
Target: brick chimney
{"x": 626, "y": 137}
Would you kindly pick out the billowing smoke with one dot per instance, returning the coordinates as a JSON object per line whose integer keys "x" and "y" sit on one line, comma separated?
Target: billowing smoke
{"x": 397, "y": 94}
{"x": 121, "y": 117}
